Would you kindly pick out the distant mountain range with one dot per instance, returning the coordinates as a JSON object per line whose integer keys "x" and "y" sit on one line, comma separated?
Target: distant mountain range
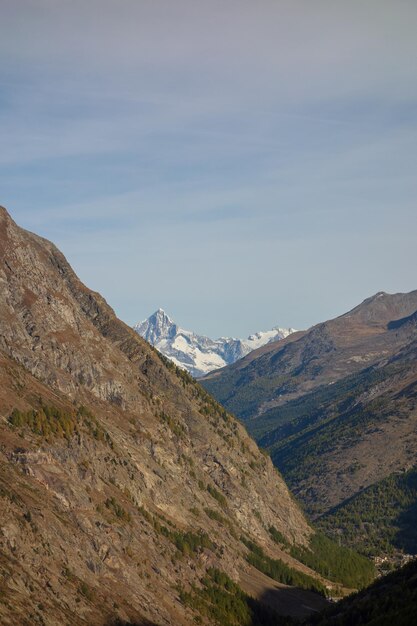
{"x": 336, "y": 407}
{"x": 196, "y": 353}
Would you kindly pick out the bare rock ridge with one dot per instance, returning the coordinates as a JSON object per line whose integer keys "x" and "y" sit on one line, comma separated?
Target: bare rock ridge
{"x": 196, "y": 353}
{"x": 121, "y": 480}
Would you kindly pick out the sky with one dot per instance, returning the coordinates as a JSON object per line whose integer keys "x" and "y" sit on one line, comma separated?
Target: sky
{"x": 240, "y": 164}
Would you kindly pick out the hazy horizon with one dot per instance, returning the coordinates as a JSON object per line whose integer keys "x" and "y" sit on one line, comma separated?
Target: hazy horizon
{"x": 240, "y": 165}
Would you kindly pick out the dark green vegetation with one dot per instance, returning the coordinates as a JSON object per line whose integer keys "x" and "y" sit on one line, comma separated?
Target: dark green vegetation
{"x": 224, "y": 602}
{"x": 278, "y": 537}
{"x": 217, "y": 517}
{"x": 331, "y": 560}
{"x": 50, "y": 422}
{"x": 215, "y": 493}
{"x": 47, "y": 422}
{"x": 280, "y": 571}
{"x": 176, "y": 427}
{"x": 335, "y": 562}
{"x": 118, "y": 510}
{"x": 380, "y": 519}
{"x": 187, "y": 543}
{"x": 390, "y": 600}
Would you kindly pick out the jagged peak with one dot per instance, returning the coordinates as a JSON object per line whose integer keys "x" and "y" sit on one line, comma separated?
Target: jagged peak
{"x": 157, "y": 318}
{"x": 161, "y": 313}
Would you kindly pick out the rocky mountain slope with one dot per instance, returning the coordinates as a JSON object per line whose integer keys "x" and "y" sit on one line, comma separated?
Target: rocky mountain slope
{"x": 328, "y": 352}
{"x": 127, "y": 493}
{"x": 196, "y": 353}
{"x": 336, "y": 406}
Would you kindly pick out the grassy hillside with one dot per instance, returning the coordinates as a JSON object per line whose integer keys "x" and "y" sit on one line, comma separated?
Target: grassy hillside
{"x": 381, "y": 519}
{"x": 335, "y": 562}
{"x": 322, "y": 442}
{"x": 390, "y": 600}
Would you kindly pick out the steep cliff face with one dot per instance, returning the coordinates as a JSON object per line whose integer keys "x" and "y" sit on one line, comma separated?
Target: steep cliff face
{"x": 121, "y": 480}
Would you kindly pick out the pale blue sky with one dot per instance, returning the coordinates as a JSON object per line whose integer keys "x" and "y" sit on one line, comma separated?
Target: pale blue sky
{"x": 240, "y": 164}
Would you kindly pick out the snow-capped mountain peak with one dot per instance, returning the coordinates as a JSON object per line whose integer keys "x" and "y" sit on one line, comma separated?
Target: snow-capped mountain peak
{"x": 196, "y": 353}
{"x": 158, "y": 326}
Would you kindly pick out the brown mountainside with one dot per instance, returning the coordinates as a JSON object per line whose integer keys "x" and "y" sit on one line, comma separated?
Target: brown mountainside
{"x": 336, "y": 405}
{"x": 327, "y": 352}
{"x": 121, "y": 480}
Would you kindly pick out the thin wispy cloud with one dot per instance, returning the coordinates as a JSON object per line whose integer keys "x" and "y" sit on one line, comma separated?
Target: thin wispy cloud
{"x": 247, "y": 149}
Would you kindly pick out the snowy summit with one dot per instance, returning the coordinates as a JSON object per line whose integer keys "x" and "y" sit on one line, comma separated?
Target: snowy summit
{"x": 196, "y": 353}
